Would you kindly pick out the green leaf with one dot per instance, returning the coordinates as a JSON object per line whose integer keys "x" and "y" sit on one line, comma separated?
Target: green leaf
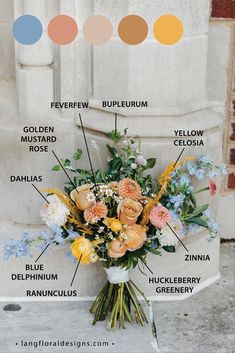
{"x": 197, "y": 220}
{"x": 170, "y": 248}
{"x": 67, "y": 163}
{"x": 112, "y": 150}
{"x": 193, "y": 199}
{"x": 115, "y": 135}
{"x": 77, "y": 155}
{"x": 56, "y": 167}
{"x": 197, "y": 212}
{"x": 150, "y": 163}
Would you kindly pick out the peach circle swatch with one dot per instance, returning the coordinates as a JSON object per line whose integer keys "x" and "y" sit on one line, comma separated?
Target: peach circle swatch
{"x": 98, "y": 30}
{"x": 62, "y": 29}
{"x": 168, "y": 29}
{"x": 133, "y": 29}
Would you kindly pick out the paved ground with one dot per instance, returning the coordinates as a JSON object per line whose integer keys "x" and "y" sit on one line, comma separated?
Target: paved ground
{"x": 204, "y": 323}
{"x": 201, "y": 324}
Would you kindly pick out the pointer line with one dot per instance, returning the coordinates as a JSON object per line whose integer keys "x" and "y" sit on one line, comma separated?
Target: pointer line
{"x": 88, "y": 152}
{"x": 76, "y": 271}
{"x": 40, "y": 193}
{"x": 177, "y": 236}
{"x": 65, "y": 171}
{"x": 115, "y": 122}
{"x": 42, "y": 252}
{"x": 179, "y": 156}
{"x": 146, "y": 266}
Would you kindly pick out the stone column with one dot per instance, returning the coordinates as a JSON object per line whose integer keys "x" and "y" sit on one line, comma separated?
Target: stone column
{"x": 35, "y": 71}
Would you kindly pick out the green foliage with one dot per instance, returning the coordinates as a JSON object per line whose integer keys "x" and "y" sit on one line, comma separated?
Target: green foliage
{"x": 169, "y": 248}
{"x": 77, "y": 155}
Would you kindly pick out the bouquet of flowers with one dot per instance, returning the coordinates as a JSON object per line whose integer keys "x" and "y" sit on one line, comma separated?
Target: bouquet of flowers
{"x": 120, "y": 214}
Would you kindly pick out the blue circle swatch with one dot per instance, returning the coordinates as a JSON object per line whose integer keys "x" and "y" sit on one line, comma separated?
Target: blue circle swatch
{"x": 27, "y": 29}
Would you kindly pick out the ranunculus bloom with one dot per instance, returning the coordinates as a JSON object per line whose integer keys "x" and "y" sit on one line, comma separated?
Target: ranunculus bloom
{"x": 212, "y": 187}
{"x": 159, "y": 216}
{"x": 96, "y": 212}
{"x": 117, "y": 249}
{"x": 129, "y": 188}
{"x": 135, "y": 236}
{"x": 55, "y": 213}
{"x": 128, "y": 211}
{"x": 82, "y": 248}
{"x": 113, "y": 223}
{"x": 82, "y": 197}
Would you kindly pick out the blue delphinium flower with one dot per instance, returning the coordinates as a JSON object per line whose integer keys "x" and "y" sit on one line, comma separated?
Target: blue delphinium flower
{"x": 193, "y": 227}
{"x": 213, "y": 226}
{"x": 212, "y": 173}
{"x": 223, "y": 169}
{"x": 185, "y": 179}
{"x": 200, "y": 174}
{"x": 17, "y": 248}
{"x": 58, "y": 237}
{"x": 206, "y": 159}
{"x": 191, "y": 168}
{"x": 177, "y": 200}
{"x": 72, "y": 235}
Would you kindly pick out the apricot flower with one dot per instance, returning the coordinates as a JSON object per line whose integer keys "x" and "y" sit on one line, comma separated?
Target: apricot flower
{"x": 128, "y": 211}
{"x": 117, "y": 249}
{"x": 135, "y": 236}
{"x": 83, "y": 197}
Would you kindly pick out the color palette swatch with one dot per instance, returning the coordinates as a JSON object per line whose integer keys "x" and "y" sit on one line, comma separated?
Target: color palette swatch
{"x": 98, "y": 30}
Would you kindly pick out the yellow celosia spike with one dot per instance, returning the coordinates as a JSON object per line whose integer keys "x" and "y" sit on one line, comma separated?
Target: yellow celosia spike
{"x": 163, "y": 180}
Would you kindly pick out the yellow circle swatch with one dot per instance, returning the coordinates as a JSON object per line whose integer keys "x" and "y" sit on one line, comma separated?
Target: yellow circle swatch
{"x": 168, "y": 29}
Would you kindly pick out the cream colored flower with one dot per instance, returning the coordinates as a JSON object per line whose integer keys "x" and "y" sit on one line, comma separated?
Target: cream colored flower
{"x": 55, "y": 213}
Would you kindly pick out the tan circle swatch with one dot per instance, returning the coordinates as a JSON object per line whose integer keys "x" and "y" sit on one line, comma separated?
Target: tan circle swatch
{"x": 62, "y": 29}
{"x": 168, "y": 29}
{"x": 133, "y": 29}
{"x": 98, "y": 30}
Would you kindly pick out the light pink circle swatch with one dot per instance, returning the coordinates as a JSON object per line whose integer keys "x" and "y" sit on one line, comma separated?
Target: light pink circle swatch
{"x": 98, "y": 30}
{"x": 62, "y": 29}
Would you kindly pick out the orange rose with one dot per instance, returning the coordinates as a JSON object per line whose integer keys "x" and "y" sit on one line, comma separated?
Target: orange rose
{"x": 128, "y": 211}
{"x": 135, "y": 236}
{"x": 117, "y": 249}
{"x": 83, "y": 197}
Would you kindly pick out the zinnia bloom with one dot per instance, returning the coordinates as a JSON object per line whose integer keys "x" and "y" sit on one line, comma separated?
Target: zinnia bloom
{"x": 95, "y": 213}
{"x": 129, "y": 188}
{"x": 212, "y": 187}
{"x": 55, "y": 213}
{"x": 159, "y": 216}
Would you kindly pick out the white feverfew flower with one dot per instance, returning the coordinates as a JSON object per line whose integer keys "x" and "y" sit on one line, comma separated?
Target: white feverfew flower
{"x": 90, "y": 197}
{"x": 141, "y": 160}
{"x": 134, "y": 166}
{"x": 109, "y": 192}
{"x": 167, "y": 237}
{"x": 101, "y": 229}
{"x": 55, "y": 213}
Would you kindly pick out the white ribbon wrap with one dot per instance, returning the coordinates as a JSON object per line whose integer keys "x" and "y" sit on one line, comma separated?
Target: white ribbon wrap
{"x": 117, "y": 275}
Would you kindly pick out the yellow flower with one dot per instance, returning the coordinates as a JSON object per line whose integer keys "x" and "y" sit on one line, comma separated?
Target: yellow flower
{"x": 114, "y": 224}
{"x": 82, "y": 248}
